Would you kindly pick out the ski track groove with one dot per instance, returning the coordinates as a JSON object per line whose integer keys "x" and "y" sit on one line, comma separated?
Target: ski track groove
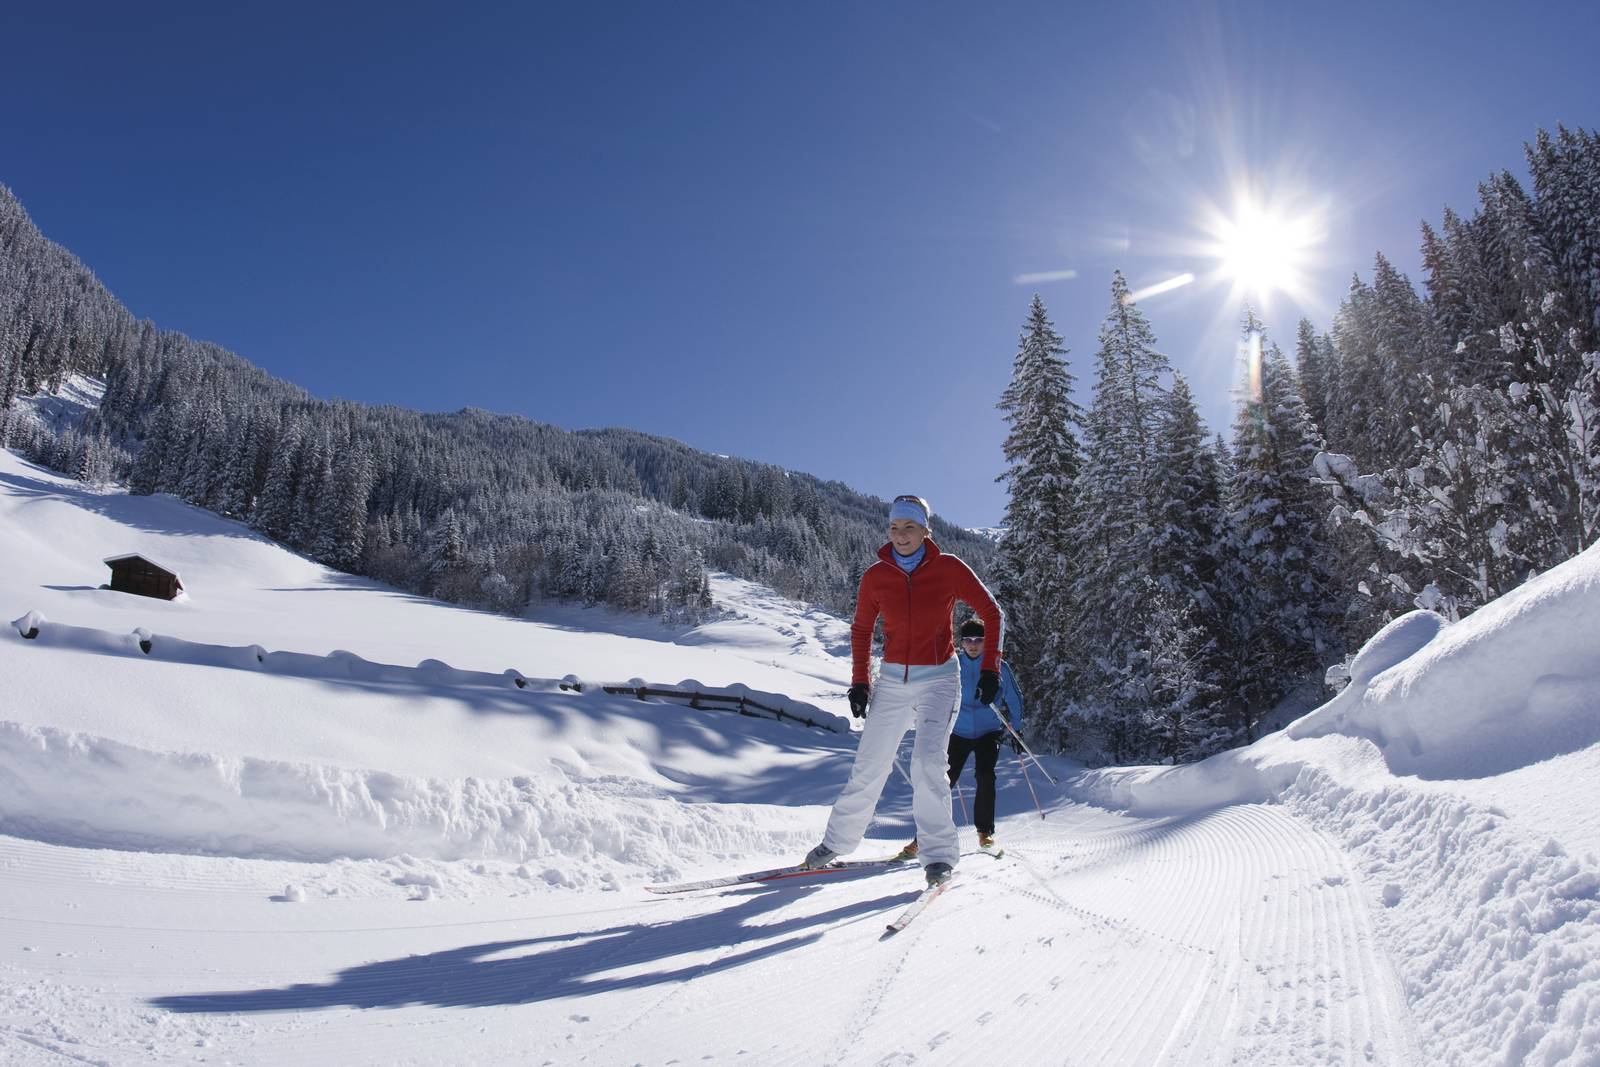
{"x": 1168, "y": 978}
{"x": 1121, "y": 942}
{"x": 1306, "y": 929}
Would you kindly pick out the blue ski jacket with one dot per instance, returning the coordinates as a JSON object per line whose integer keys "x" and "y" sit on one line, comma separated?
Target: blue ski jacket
{"x": 975, "y": 719}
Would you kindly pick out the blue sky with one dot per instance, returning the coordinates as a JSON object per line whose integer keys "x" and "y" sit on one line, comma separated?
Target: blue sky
{"x": 787, "y": 232}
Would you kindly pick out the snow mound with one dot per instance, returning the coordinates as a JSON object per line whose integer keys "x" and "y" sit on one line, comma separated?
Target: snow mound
{"x": 76, "y": 789}
{"x": 1394, "y": 644}
{"x": 1512, "y": 684}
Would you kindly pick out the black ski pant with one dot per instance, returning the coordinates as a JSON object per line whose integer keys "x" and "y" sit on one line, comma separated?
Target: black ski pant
{"x": 987, "y": 750}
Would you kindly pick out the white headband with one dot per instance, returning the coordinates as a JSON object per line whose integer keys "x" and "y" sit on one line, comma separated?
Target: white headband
{"x": 909, "y": 509}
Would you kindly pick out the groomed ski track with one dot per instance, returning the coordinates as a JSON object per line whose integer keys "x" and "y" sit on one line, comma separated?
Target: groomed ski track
{"x": 1239, "y": 935}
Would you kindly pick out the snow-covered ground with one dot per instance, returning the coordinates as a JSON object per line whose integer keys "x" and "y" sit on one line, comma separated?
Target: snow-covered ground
{"x": 320, "y": 822}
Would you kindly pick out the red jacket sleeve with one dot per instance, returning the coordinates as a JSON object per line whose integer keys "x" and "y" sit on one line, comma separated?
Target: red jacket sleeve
{"x": 978, "y": 597}
{"x": 861, "y": 631}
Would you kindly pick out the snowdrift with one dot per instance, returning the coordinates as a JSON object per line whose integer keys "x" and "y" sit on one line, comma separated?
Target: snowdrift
{"x": 69, "y": 788}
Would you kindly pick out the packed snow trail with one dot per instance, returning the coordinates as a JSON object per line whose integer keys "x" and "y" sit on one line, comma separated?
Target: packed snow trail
{"x": 1234, "y": 936}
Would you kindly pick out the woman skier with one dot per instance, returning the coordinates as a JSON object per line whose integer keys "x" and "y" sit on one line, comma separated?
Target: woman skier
{"x": 913, "y": 587}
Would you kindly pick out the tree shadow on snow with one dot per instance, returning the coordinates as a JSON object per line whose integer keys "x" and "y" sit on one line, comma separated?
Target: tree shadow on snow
{"x": 530, "y": 970}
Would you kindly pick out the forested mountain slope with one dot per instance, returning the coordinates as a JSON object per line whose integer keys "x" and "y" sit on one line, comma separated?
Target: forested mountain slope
{"x": 477, "y": 508}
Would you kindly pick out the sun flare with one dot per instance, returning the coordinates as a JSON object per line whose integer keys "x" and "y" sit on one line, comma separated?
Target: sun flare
{"x": 1262, "y": 250}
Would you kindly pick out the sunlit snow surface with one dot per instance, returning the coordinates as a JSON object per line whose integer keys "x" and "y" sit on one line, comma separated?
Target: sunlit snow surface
{"x": 317, "y": 797}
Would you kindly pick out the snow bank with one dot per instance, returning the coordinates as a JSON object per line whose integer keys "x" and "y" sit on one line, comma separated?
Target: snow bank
{"x": 79, "y": 787}
{"x": 1496, "y": 937}
{"x": 76, "y": 789}
{"x": 1516, "y": 682}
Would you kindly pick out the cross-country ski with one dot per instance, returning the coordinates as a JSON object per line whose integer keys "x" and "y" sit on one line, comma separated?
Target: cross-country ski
{"x": 778, "y": 874}
{"x": 916, "y": 907}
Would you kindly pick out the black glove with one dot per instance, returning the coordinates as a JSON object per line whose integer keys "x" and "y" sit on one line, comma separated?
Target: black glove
{"x": 858, "y": 699}
{"x": 1016, "y": 744}
{"x": 988, "y": 686}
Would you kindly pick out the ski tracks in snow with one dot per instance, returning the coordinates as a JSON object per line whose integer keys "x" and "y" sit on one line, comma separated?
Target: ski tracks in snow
{"x": 1234, "y": 936}
{"x": 1231, "y": 936}
{"x": 1238, "y": 936}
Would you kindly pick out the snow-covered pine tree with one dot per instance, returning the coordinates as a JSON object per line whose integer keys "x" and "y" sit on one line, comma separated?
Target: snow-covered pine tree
{"x": 1042, "y": 462}
{"x": 1186, "y": 561}
{"x": 1566, "y": 185}
{"x": 11, "y": 327}
{"x": 1275, "y": 583}
{"x": 1115, "y": 521}
{"x": 1454, "y": 517}
{"x": 1356, "y": 389}
{"x": 1403, "y": 357}
{"x": 1521, "y": 269}
{"x": 1311, "y": 357}
{"x": 316, "y": 484}
{"x": 206, "y": 455}
{"x": 274, "y": 513}
{"x": 1471, "y": 330}
{"x": 344, "y": 522}
{"x": 1186, "y": 497}
{"x": 1554, "y": 414}
{"x": 243, "y": 451}
{"x": 446, "y": 553}
{"x": 1184, "y": 719}
{"x": 160, "y": 451}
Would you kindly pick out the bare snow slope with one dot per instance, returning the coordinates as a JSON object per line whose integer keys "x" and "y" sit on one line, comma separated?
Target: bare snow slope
{"x": 315, "y": 798}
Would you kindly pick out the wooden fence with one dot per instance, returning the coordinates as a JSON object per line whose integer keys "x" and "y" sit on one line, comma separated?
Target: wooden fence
{"x": 719, "y": 702}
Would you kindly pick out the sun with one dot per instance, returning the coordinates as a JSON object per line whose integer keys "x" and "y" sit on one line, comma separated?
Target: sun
{"x": 1263, "y": 250}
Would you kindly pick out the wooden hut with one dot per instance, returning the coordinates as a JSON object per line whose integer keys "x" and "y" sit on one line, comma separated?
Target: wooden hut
{"x": 135, "y": 574}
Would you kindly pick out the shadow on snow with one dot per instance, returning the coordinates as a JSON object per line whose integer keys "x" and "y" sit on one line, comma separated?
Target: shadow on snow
{"x": 531, "y": 970}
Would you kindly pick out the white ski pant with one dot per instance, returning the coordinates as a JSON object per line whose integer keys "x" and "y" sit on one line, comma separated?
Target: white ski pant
{"x": 924, "y": 699}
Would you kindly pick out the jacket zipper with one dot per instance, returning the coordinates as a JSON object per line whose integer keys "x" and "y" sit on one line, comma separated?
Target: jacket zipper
{"x": 909, "y": 627}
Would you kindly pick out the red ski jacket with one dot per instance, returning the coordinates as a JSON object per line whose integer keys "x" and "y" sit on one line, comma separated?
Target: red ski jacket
{"x": 917, "y": 611}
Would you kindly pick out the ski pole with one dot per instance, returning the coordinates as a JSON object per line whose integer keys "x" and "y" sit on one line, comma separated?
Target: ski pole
{"x": 1024, "y": 765}
{"x": 902, "y": 769}
{"x": 961, "y": 795}
{"x": 1004, "y": 721}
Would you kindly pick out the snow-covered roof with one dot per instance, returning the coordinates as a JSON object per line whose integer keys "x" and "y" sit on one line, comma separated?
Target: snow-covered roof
{"x": 109, "y": 560}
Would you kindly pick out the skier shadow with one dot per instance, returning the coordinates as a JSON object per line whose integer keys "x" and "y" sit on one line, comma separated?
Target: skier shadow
{"x": 530, "y": 970}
